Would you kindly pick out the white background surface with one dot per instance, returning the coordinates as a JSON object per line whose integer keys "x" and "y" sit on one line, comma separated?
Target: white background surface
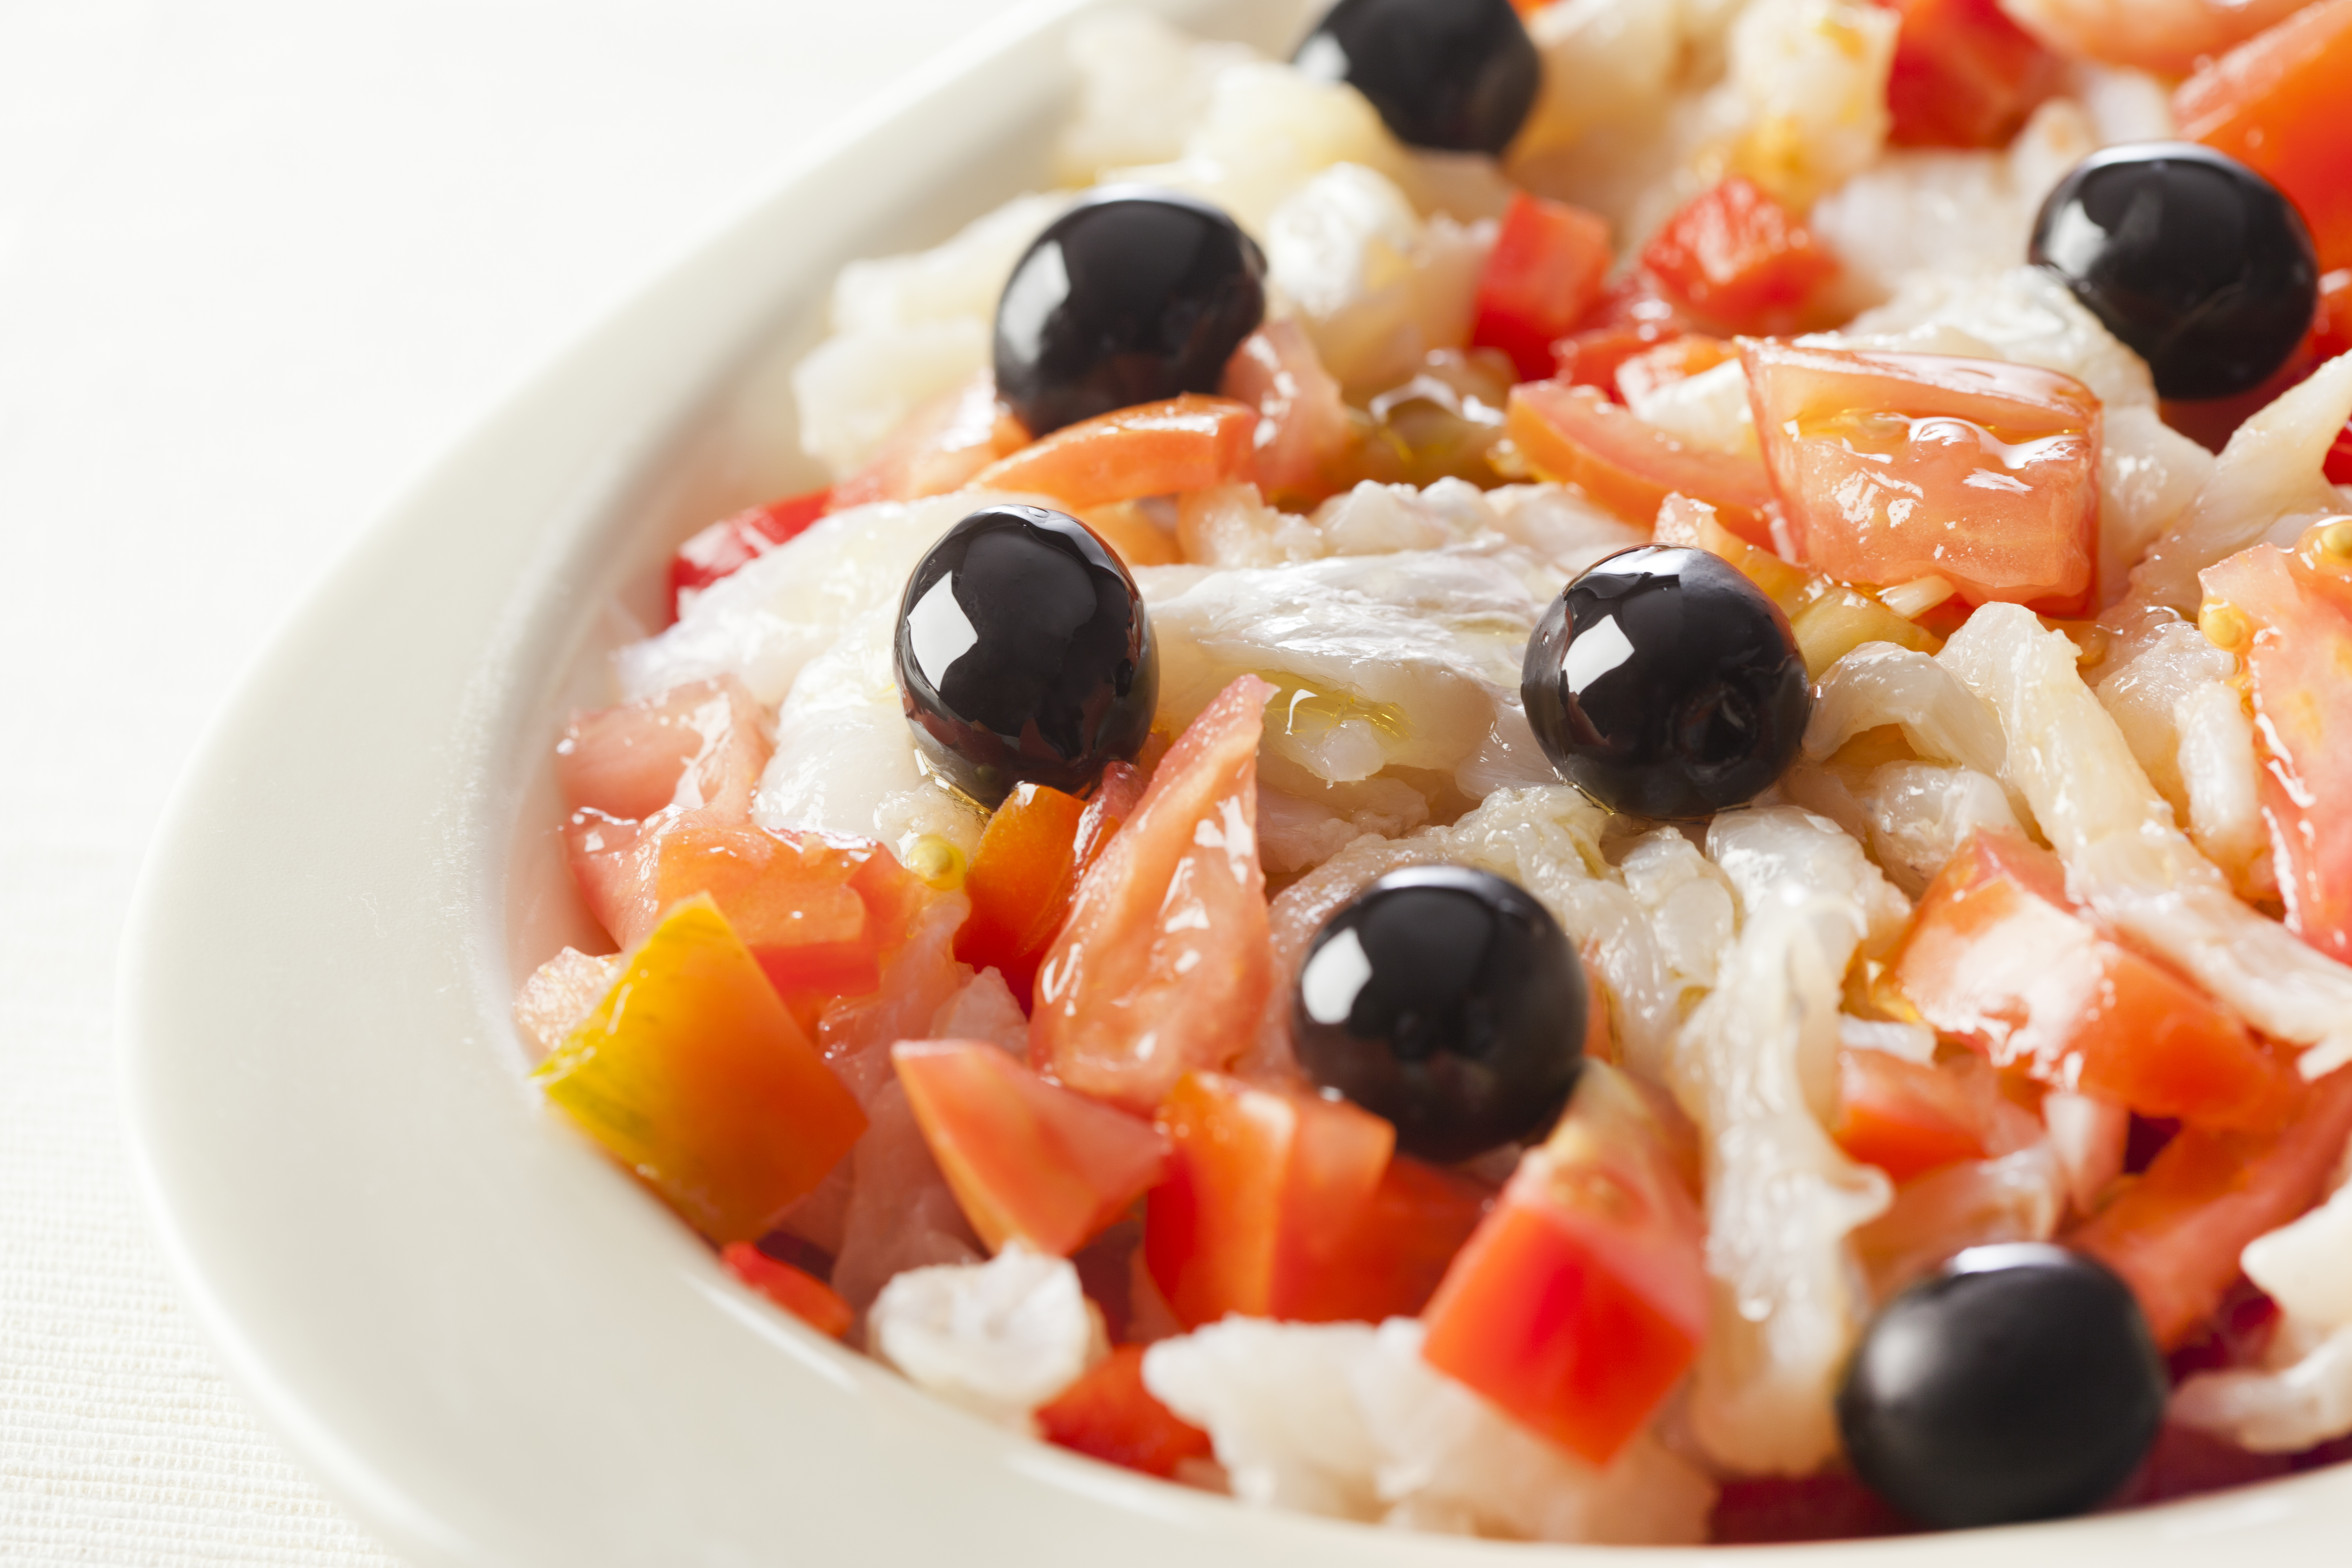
{"x": 259, "y": 261}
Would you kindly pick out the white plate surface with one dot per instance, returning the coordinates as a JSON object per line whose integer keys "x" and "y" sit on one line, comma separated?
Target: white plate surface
{"x": 489, "y": 1342}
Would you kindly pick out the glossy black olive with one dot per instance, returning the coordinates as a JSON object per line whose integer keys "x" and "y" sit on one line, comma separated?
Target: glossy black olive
{"x": 1131, "y": 296}
{"x": 2194, "y": 260}
{"x": 1458, "y": 76}
{"x": 2021, "y": 1382}
{"x": 1024, "y": 653}
{"x": 1665, "y": 684}
{"x": 1448, "y": 1001}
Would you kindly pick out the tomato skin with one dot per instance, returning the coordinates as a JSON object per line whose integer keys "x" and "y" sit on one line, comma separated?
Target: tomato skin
{"x": 1546, "y": 270}
{"x": 701, "y": 742}
{"x": 1582, "y": 1300}
{"x": 1187, "y": 443}
{"x": 802, "y": 1294}
{"x": 1576, "y": 436}
{"x": 1735, "y": 256}
{"x": 2276, "y": 102}
{"x": 1905, "y": 1118}
{"x": 1965, "y": 74}
{"x": 1020, "y": 883}
{"x": 2175, "y": 1234}
{"x": 1163, "y": 965}
{"x": 691, "y": 1073}
{"x": 1660, "y": 365}
{"x": 2299, "y": 672}
{"x": 938, "y": 448}
{"x": 1304, "y": 434}
{"x": 1874, "y": 456}
{"x": 1999, "y": 956}
{"x": 1109, "y": 1414}
{"x": 732, "y": 543}
{"x": 1027, "y": 1159}
{"x": 1284, "y": 1205}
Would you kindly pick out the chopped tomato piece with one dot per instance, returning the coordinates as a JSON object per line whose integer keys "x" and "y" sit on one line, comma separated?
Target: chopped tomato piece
{"x": 1905, "y": 1118}
{"x": 2332, "y": 335}
{"x": 1027, "y": 1159}
{"x": 1999, "y": 956}
{"x": 1546, "y": 270}
{"x": 1965, "y": 74}
{"x": 1289, "y": 1205}
{"x": 700, "y": 745}
{"x": 1581, "y": 1302}
{"x": 728, "y": 546}
{"x": 2276, "y": 102}
{"x": 802, "y": 1294}
{"x": 1893, "y": 466}
{"x": 1593, "y": 358}
{"x": 1109, "y": 1414}
{"x": 1576, "y": 436}
{"x": 1162, "y": 966}
{"x": 2295, "y": 609}
{"x": 1676, "y": 359}
{"x": 1187, "y": 443}
{"x": 1738, "y": 258}
{"x": 938, "y": 448}
{"x": 691, "y": 1073}
{"x": 1304, "y": 434}
{"x": 2175, "y": 1234}
{"x": 1020, "y": 883}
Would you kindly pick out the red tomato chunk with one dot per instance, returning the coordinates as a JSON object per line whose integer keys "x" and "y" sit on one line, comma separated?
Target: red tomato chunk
{"x": 1999, "y": 956}
{"x": 1576, "y": 436}
{"x": 1581, "y": 1302}
{"x": 2175, "y": 1234}
{"x": 1544, "y": 273}
{"x": 1965, "y": 74}
{"x": 1187, "y": 443}
{"x": 802, "y": 1294}
{"x": 1109, "y": 1414}
{"x": 1738, "y": 258}
{"x": 1893, "y": 466}
{"x": 2295, "y": 610}
{"x": 1905, "y": 1118}
{"x": 727, "y": 547}
{"x": 2276, "y": 102}
{"x": 1289, "y": 1205}
{"x": 1027, "y": 1159}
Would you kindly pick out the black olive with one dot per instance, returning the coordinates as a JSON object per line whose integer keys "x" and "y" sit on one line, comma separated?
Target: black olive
{"x": 2020, "y": 1383}
{"x": 1448, "y": 1001}
{"x": 1665, "y": 684}
{"x": 1131, "y": 296}
{"x": 1458, "y": 76}
{"x": 1025, "y": 654}
{"x": 2198, "y": 263}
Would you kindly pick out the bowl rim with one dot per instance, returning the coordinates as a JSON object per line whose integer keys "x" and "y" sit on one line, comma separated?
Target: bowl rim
{"x": 321, "y": 1081}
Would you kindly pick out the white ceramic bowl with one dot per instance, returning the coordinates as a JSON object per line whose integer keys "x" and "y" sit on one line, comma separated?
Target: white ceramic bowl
{"x": 478, "y": 1332}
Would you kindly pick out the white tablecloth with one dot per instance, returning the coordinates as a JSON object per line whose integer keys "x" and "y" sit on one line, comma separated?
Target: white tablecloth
{"x": 260, "y": 260}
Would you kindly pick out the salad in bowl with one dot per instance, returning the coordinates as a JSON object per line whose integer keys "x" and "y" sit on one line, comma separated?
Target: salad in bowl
{"x": 1566, "y": 773}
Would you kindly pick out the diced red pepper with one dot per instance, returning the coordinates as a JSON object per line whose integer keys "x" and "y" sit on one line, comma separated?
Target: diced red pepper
{"x": 1905, "y": 1118}
{"x": 2175, "y": 1234}
{"x": 1999, "y": 956}
{"x": 1546, "y": 269}
{"x": 2297, "y": 607}
{"x": 2276, "y": 102}
{"x": 802, "y": 1294}
{"x": 1892, "y": 467}
{"x": 1109, "y": 1414}
{"x": 691, "y": 1074}
{"x": 1576, "y": 436}
{"x": 728, "y": 546}
{"x": 1288, "y": 1206}
{"x": 1582, "y": 1300}
{"x": 1965, "y": 74}
{"x": 1738, "y": 258}
{"x": 1027, "y": 1159}
{"x": 1187, "y": 443}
